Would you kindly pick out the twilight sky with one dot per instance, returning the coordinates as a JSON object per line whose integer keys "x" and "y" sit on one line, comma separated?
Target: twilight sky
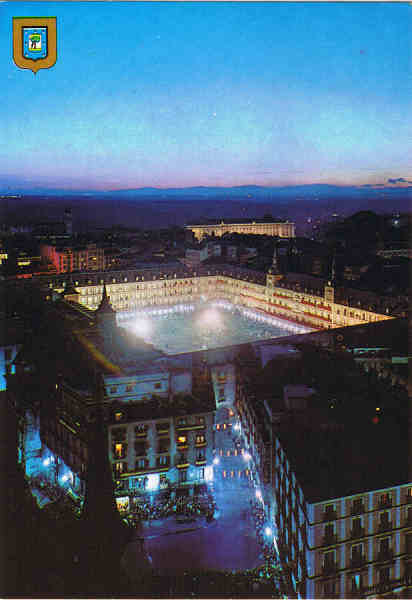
{"x": 182, "y": 94}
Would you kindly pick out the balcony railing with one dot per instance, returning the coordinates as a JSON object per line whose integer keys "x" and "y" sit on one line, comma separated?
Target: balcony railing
{"x": 329, "y": 515}
{"x": 357, "y": 561}
{"x": 357, "y": 509}
{"x": 384, "y": 526}
{"x": 357, "y": 532}
{"x": 329, "y": 568}
{"x": 386, "y": 586}
{"x": 330, "y": 539}
{"x": 384, "y": 555}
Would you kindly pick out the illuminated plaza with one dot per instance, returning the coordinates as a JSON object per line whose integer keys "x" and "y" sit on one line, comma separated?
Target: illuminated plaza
{"x": 203, "y": 326}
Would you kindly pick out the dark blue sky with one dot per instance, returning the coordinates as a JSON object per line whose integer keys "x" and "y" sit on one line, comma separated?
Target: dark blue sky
{"x": 181, "y": 94}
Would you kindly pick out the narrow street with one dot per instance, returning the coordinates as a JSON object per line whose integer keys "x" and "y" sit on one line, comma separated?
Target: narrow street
{"x": 228, "y": 542}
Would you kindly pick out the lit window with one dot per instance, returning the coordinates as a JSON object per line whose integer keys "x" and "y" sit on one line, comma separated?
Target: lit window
{"x": 182, "y": 439}
{"x": 118, "y": 449}
{"x": 119, "y": 415}
{"x": 200, "y": 439}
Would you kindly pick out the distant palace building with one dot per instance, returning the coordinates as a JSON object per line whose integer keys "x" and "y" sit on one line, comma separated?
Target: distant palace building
{"x": 247, "y": 226}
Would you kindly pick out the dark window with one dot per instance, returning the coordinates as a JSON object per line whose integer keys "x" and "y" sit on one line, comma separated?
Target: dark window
{"x": 163, "y": 445}
{"x": 357, "y": 506}
{"x": 119, "y": 434}
{"x": 140, "y": 448}
{"x": 384, "y": 575}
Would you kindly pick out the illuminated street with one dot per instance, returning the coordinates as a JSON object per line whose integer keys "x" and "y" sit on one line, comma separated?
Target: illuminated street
{"x": 229, "y": 542}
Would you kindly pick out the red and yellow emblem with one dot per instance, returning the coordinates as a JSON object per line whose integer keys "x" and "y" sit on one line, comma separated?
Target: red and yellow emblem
{"x": 34, "y": 42}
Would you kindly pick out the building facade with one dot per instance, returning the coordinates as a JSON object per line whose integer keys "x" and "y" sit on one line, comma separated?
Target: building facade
{"x": 279, "y": 229}
{"x": 354, "y": 546}
{"x": 320, "y": 307}
{"x": 67, "y": 259}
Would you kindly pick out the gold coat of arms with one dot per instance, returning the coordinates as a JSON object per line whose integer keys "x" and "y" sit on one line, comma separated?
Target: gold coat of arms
{"x": 34, "y": 42}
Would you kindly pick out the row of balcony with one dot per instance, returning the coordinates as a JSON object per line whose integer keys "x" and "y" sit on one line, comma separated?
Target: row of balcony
{"x": 381, "y": 587}
{"x": 358, "y": 561}
{"x": 359, "y": 532}
{"x": 165, "y": 429}
{"x": 179, "y": 462}
{"x": 358, "y": 509}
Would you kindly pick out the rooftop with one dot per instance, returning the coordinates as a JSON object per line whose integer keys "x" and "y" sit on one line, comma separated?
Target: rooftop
{"x": 164, "y": 408}
{"x": 333, "y": 462}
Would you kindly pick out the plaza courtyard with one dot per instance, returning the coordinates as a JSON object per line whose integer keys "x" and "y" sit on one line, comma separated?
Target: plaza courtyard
{"x": 190, "y": 327}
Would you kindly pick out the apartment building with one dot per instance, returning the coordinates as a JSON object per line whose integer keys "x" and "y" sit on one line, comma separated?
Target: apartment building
{"x": 337, "y": 489}
{"x": 341, "y": 535}
{"x": 159, "y": 410}
{"x": 67, "y": 259}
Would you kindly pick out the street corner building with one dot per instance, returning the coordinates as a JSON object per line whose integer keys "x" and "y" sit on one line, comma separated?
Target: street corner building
{"x": 158, "y": 410}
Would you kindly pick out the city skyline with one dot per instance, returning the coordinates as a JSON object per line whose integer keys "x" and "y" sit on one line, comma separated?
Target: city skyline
{"x": 210, "y": 94}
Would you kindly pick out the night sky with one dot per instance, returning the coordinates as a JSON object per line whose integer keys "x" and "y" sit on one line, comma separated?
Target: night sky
{"x": 183, "y": 94}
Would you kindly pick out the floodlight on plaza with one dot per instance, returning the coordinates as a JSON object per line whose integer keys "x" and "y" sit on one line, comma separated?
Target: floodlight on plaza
{"x": 247, "y": 456}
{"x": 258, "y": 494}
{"x": 236, "y": 427}
{"x": 46, "y": 462}
{"x": 268, "y": 531}
{"x": 142, "y": 326}
{"x": 216, "y": 460}
{"x": 210, "y": 317}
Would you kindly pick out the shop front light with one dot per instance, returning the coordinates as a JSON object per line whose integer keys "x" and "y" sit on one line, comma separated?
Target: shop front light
{"x": 209, "y": 473}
